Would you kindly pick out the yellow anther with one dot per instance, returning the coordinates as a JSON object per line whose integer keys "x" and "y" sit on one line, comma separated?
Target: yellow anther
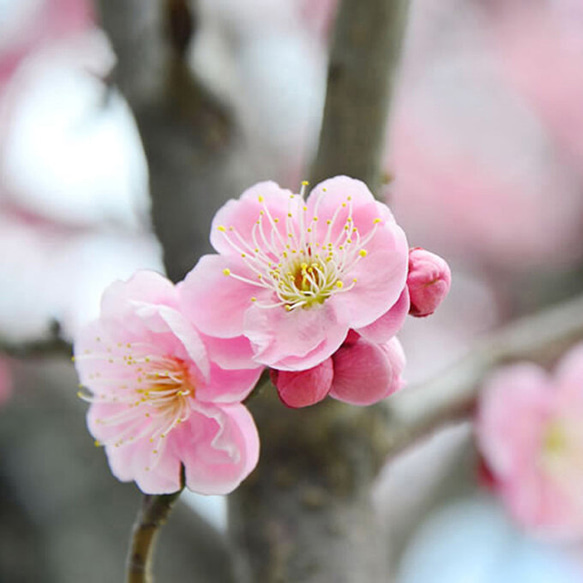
{"x": 305, "y": 183}
{"x": 377, "y": 221}
{"x": 221, "y": 228}
{"x": 226, "y": 271}
{"x": 363, "y": 252}
{"x": 253, "y": 299}
{"x": 260, "y": 198}
{"x": 339, "y": 284}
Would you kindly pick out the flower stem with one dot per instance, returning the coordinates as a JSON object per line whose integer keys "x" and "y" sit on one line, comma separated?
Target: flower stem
{"x": 152, "y": 515}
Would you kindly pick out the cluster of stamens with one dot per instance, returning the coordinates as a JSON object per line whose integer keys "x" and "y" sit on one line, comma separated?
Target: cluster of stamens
{"x": 302, "y": 262}
{"x": 155, "y": 390}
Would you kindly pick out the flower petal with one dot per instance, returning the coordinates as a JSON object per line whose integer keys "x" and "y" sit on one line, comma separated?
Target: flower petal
{"x": 380, "y": 278}
{"x": 306, "y": 387}
{"x": 383, "y": 329}
{"x": 215, "y": 303}
{"x": 219, "y": 447}
{"x": 294, "y": 340}
{"x": 241, "y": 216}
{"x": 364, "y": 373}
{"x": 228, "y": 386}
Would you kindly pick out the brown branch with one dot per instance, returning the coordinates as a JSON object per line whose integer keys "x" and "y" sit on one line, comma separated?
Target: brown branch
{"x": 419, "y": 411}
{"x": 52, "y": 345}
{"x": 152, "y": 515}
{"x": 364, "y": 56}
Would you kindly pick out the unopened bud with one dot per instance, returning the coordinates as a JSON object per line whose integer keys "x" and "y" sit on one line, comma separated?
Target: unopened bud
{"x": 428, "y": 281}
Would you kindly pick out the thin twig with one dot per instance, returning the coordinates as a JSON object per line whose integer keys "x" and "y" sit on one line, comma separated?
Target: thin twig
{"x": 419, "y": 411}
{"x": 152, "y": 515}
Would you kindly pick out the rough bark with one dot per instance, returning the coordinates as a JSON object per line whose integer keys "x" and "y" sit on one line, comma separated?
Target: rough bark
{"x": 306, "y": 515}
{"x": 364, "y": 57}
{"x": 196, "y": 154}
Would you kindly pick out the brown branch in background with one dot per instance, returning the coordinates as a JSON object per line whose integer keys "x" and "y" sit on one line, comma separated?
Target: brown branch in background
{"x": 306, "y": 514}
{"x": 52, "y": 345}
{"x": 418, "y": 411}
{"x": 364, "y": 57}
{"x": 152, "y": 515}
{"x": 189, "y": 136}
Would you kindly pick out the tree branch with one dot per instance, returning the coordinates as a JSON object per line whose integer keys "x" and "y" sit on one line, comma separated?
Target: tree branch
{"x": 153, "y": 514}
{"x": 52, "y": 345}
{"x": 364, "y": 57}
{"x": 418, "y": 411}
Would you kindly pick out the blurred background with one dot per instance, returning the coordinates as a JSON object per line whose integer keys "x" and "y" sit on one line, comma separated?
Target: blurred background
{"x": 484, "y": 165}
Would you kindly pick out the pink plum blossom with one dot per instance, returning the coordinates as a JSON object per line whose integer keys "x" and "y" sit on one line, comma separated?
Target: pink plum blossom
{"x": 530, "y": 433}
{"x": 428, "y": 281}
{"x": 360, "y": 372}
{"x": 472, "y": 162}
{"x": 293, "y": 276}
{"x": 540, "y": 48}
{"x": 158, "y": 401}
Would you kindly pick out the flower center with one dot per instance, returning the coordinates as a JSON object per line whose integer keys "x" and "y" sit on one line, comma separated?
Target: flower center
{"x": 298, "y": 259}
{"x": 554, "y": 439}
{"x": 152, "y": 393}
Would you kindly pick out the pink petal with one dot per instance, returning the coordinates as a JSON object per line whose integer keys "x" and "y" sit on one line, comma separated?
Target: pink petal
{"x": 228, "y": 386}
{"x": 362, "y": 374}
{"x": 189, "y": 337}
{"x": 135, "y": 461}
{"x": 230, "y": 353}
{"x": 303, "y": 388}
{"x": 326, "y": 197}
{"x": 294, "y": 340}
{"x": 214, "y": 302}
{"x": 242, "y": 215}
{"x": 144, "y": 286}
{"x": 383, "y": 329}
{"x": 219, "y": 447}
{"x": 380, "y": 276}
{"x": 507, "y": 440}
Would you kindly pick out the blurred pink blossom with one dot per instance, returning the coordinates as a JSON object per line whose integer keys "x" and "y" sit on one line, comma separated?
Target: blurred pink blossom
{"x": 428, "y": 281}
{"x": 157, "y": 401}
{"x": 295, "y": 276}
{"x": 476, "y": 171}
{"x": 37, "y": 25}
{"x": 540, "y": 49}
{"x": 360, "y": 372}
{"x": 530, "y": 432}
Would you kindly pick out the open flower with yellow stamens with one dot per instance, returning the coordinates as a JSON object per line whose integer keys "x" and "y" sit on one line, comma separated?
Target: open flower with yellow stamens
{"x": 293, "y": 276}
{"x": 160, "y": 399}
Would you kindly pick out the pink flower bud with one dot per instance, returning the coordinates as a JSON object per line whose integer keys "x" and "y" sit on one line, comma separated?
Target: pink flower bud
{"x": 428, "y": 281}
{"x": 306, "y": 387}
